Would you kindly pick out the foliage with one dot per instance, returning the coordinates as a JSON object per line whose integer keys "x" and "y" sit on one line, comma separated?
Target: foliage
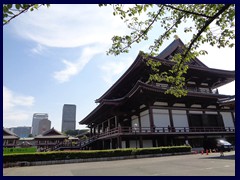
{"x": 11, "y": 11}
{"x": 63, "y": 155}
{"x": 213, "y": 24}
{"x": 19, "y": 150}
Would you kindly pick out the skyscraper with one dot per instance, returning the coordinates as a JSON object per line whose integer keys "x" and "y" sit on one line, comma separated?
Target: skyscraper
{"x": 69, "y": 117}
{"x": 21, "y": 131}
{"x": 37, "y": 126}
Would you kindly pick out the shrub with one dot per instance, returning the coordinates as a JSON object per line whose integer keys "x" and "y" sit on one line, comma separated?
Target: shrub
{"x": 63, "y": 155}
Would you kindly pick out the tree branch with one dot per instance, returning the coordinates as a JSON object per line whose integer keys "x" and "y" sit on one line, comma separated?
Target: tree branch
{"x": 207, "y": 23}
{"x": 168, "y": 30}
{"x": 15, "y": 15}
{"x": 145, "y": 29}
{"x": 188, "y": 12}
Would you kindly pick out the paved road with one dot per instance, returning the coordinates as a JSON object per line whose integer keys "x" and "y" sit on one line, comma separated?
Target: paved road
{"x": 182, "y": 165}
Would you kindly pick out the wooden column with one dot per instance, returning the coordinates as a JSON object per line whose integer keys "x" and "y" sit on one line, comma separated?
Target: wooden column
{"x": 187, "y": 112}
{"x": 90, "y": 130}
{"x": 119, "y": 141}
{"x": 154, "y": 142}
{"x": 233, "y": 118}
{"x": 94, "y": 130}
{"x": 116, "y": 121}
{"x": 140, "y": 142}
{"x": 139, "y": 122}
{"x": 109, "y": 125}
{"x": 103, "y": 127}
{"x": 151, "y": 118}
{"x": 171, "y": 118}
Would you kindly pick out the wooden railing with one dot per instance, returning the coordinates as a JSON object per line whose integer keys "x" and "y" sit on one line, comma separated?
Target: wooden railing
{"x": 155, "y": 130}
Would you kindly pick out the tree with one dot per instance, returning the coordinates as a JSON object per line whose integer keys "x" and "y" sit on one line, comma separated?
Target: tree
{"x": 213, "y": 24}
{"x": 11, "y": 11}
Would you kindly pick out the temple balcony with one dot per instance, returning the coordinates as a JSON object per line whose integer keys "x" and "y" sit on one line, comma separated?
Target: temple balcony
{"x": 133, "y": 131}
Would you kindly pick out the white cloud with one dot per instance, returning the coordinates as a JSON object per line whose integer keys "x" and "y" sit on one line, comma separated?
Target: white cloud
{"x": 216, "y": 58}
{"x": 73, "y": 68}
{"x": 13, "y": 114}
{"x": 38, "y": 49}
{"x": 69, "y": 25}
{"x": 228, "y": 89}
{"x": 113, "y": 69}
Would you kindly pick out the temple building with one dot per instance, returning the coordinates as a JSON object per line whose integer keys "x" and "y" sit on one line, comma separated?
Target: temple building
{"x": 9, "y": 139}
{"x": 50, "y": 140}
{"x": 137, "y": 113}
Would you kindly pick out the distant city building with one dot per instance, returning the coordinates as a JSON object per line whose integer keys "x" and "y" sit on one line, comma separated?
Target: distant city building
{"x": 22, "y": 131}
{"x": 36, "y": 128}
{"x": 44, "y": 125}
{"x": 69, "y": 117}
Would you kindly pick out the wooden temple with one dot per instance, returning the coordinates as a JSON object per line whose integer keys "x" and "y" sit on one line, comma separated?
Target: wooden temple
{"x": 50, "y": 140}
{"x": 9, "y": 139}
{"x": 137, "y": 113}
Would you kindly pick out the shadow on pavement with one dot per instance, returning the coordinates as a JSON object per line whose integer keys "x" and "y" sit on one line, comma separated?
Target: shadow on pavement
{"x": 225, "y": 157}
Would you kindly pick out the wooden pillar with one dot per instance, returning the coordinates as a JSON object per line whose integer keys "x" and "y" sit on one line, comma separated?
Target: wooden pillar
{"x": 91, "y": 131}
{"x": 187, "y": 112}
{"x": 119, "y": 141}
{"x": 140, "y": 142}
{"x": 139, "y": 122}
{"x": 165, "y": 140}
{"x": 103, "y": 127}
{"x": 154, "y": 142}
{"x": 98, "y": 129}
{"x": 111, "y": 144}
{"x": 103, "y": 145}
{"x": 116, "y": 121}
{"x": 233, "y": 118}
{"x": 109, "y": 125}
{"x": 151, "y": 119}
{"x": 171, "y": 118}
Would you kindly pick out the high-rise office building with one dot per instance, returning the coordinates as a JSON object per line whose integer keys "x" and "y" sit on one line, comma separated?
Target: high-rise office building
{"x": 68, "y": 117}
{"x": 21, "y": 131}
{"x": 44, "y": 125}
{"x": 37, "y": 125}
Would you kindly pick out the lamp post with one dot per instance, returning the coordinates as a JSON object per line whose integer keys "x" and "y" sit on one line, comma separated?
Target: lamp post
{"x": 135, "y": 130}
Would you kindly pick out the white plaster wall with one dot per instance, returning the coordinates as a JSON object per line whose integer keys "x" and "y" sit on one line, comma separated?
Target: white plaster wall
{"x": 180, "y": 118}
{"x": 161, "y": 118}
{"x": 227, "y": 119}
{"x": 135, "y": 121}
{"x": 123, "y": 144}
{"x": 157, "y": 103}
{"x": 147, "y": 143}
{"x": 132, "y": 143}
{"x": 210, "y": 112}
{"x": 195, "y": 112}
{"x": 179, "y": 105}
{"x": 145, "y": 121}
{"x": 196, "y": 105}
{"x": 212, "y": 107}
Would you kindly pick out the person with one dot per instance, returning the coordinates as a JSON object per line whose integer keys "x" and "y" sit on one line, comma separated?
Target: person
{"x": 221, "y": 151}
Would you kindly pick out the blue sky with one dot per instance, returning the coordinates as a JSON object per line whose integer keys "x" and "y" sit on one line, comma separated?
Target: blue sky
{"x": 57, "y": 55}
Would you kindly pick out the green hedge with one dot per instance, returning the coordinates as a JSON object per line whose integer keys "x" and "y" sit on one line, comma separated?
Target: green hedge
{"x": 63, "y": 155}
{"x": 19, "y": 150}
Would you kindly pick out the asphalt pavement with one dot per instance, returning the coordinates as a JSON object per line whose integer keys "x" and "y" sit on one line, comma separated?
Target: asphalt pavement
{"x": 180, "y": 165}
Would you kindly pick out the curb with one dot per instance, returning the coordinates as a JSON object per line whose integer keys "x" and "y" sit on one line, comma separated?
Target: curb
{"x": 41, "y": 163}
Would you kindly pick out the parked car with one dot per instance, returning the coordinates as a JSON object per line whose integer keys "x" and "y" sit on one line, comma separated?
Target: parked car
{"x": 217, "y": 145}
